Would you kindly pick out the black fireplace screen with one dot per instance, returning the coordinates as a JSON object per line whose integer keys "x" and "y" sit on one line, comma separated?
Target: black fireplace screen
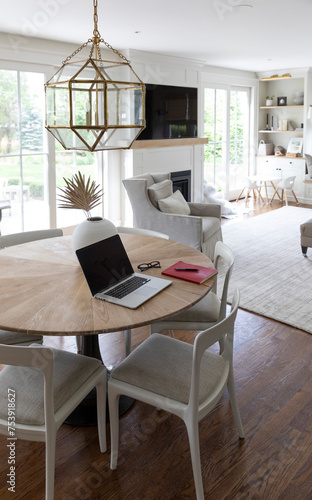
{"x": 182, "y": 181}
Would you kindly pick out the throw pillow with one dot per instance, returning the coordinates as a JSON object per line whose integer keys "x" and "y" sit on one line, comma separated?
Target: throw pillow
{"x": 159, "y": 190}
{"x": 174, "y": 204}
{"x": 309, "y": 165}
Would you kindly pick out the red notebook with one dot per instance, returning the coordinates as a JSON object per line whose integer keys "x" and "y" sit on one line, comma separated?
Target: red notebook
{"x": 203, "y": 273}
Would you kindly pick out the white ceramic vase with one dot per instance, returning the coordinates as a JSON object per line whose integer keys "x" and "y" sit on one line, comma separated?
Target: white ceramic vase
{"x": 92, "y": 230}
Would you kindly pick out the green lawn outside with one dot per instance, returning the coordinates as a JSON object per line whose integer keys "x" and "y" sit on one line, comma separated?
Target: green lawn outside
{"x": 33, "y": 170}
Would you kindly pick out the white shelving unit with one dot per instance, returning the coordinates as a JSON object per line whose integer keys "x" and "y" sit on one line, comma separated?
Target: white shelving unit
{"x": 270, "y": 117}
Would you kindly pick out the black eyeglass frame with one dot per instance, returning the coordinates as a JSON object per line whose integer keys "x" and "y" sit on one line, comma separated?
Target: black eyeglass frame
{"x": 149, "y": 265}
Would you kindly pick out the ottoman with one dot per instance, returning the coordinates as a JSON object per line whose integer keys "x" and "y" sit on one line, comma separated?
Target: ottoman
{"x": 306, "y": 236}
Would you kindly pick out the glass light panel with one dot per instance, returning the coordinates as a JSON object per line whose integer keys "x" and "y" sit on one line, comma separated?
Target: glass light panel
{"x": 120, "y": 138}
{"x": 88, "y": 72}
{"x": 118, "y": 72}
{"x": 68, "y": 139}
{"x": 57, "y": 103}
{"x": 90, "y": 136}
{"x": 66, "y": 72}
{"x": 124, "y": 105}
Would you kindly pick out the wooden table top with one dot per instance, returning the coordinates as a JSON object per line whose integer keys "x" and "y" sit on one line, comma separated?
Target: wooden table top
{"x": 43, "y": 289}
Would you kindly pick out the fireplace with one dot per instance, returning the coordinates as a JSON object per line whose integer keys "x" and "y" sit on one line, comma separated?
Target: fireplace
{"x": 182, "y": 181}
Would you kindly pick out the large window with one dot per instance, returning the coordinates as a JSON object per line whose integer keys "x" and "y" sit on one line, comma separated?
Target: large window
{"x": 226, "y": 123}
{"x": 30, "y": 174}
{"x": 23, "y": 156}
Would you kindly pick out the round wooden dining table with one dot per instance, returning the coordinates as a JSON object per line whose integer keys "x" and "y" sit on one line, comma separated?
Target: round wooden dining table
{"x": 43, "y": 289}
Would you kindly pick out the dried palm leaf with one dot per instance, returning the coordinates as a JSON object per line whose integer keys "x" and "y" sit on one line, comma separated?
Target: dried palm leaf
{"x": 80, "y": 194}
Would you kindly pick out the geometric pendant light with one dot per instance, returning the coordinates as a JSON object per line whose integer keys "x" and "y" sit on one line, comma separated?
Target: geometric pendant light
{"x": 95, "y": 105}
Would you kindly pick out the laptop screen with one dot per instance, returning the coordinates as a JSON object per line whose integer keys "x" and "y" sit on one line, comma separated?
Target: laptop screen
{"x": 104, "y": 263}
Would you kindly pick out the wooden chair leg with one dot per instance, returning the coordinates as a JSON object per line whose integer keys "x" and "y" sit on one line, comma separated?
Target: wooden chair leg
{"x": 266, "y": 192}
{"x": 247, "y": 196}
{"x": 260, "y": 195}
{"x": 295, "y": 196}
{"x": 275, "y": 192}
{"x": 286, "y": 199}
{"x": 240, "y": 194}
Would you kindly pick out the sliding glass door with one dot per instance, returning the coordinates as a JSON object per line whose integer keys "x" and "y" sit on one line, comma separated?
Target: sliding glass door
{"x": 23, "y": 155}
{"x": 227, "y": 126}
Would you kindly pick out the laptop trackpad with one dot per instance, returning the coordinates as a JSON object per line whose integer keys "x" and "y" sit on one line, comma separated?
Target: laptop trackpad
{"x": 146, "y": 291}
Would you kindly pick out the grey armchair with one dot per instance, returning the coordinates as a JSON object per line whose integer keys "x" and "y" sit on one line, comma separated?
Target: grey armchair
{"x": 201, "y": 229}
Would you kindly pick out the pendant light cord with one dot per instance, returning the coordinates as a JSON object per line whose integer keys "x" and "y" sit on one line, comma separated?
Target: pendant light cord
{"x": 95, "y": 41}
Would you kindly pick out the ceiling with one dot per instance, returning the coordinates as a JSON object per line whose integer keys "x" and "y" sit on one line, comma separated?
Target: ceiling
{"x": 254, "y": 35}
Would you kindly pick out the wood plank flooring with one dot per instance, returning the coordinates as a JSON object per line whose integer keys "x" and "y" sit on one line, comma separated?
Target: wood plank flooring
{"x": 273, "y": 373}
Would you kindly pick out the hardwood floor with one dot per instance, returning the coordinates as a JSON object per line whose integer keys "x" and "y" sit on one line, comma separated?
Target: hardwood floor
{"x": 273, "y": 374}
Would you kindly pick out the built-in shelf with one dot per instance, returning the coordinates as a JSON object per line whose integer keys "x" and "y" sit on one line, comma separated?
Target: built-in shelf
{"x": 165, "y": 143}
{"x": 280, "y": 131}
{"x": 282, "y": 107}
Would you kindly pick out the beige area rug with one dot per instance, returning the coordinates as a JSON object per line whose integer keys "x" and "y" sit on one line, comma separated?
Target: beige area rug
{"x": 274, "y": 279}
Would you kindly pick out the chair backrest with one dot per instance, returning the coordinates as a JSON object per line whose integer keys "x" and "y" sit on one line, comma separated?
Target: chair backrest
{"x": 136, "y": 187}
{"x": 144, "y": 232}
{"x": 288, "y": 183}
{"x": 223, "y": 252}
{"x": 19, "y": 238}
{"x": 205, "y": 339}
{"x": 34, "y": 356}
{"x": 249, "y": 184}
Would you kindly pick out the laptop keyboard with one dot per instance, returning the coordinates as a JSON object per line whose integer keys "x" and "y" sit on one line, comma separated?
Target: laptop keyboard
{"x": 127, "y": 287}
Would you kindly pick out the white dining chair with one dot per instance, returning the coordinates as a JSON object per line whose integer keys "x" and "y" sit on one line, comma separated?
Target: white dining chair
{"x": 43, "y": 386}
{"x": 9, "y": 240}
{"x": 253, "y": 187}
{"x": 19, "y": 338}
{"x": 179, "y": 378}
{"x": 284, "y": 185}
{"x": 212, "y": 308}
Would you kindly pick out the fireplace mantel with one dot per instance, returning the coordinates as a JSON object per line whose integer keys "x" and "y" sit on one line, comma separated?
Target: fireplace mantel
{"x": 166, "y": 143}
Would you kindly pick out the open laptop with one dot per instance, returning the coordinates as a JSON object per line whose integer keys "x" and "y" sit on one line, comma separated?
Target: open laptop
{"x": 111, "y": 277}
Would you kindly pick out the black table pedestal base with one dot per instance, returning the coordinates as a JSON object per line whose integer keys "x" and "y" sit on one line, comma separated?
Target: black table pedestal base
{"x": 85, "y": 414}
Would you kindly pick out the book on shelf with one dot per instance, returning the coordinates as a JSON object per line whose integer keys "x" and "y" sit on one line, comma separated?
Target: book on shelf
{"x": 198, "y": 274}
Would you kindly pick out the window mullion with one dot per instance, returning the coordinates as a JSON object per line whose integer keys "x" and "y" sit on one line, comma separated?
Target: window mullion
{"x": 19, "y": 108}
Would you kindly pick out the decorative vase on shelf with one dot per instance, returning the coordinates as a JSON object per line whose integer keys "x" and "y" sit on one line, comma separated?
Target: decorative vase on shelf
{"x": 269, "y": 102}
{"x": 92, "y": 230}
{"x": 85, "y": 195}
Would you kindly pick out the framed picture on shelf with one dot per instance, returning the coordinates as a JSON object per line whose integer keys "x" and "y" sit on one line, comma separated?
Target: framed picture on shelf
{"x": 295, "y": 145}
{"x": 282, "y": 101}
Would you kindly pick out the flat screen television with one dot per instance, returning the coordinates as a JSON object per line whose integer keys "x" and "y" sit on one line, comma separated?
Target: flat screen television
{"x": 171, "y": 112}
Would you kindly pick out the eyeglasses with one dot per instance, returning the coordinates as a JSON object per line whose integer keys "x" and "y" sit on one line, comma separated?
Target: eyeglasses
{"x": 149, "y": 265}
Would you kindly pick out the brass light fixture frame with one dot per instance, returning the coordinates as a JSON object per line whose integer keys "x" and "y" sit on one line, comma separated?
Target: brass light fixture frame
{"x": 102, "y": 112}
